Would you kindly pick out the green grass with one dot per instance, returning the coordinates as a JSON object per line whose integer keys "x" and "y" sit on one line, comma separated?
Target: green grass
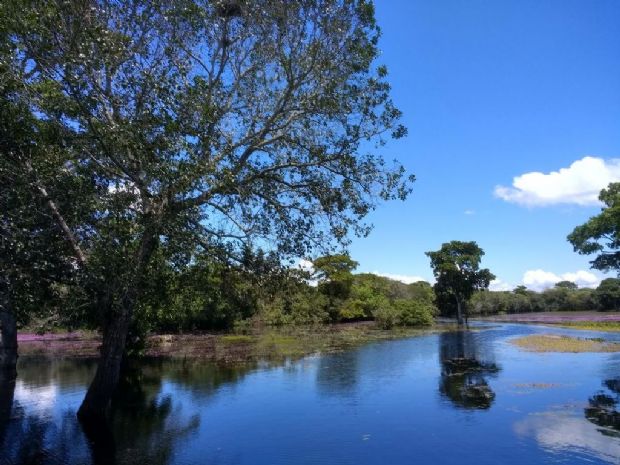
{"x": 592, "y": 325}
{"x": 263, "y": 344}
{"x": 237, "y": 339}
{"x": 553, "y": 343}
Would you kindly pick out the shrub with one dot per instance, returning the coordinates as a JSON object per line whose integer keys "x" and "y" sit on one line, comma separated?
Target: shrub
{"x": 387, "y": 316}
{"x": 414, "y": 312}
{"x": 405, "y": 312}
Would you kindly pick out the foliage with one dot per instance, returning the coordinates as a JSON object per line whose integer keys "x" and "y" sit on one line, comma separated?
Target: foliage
{"x": 601, "y": 234}
{"x": 335, "y": 280}
{"x": 204, "y": 130}
{"x": 566, "y": 285}
{"x": 608, "y": 294}
{"x": 404, "y": 312}
{"x": 526, "y": 301}
{"x": 456, "y": 267}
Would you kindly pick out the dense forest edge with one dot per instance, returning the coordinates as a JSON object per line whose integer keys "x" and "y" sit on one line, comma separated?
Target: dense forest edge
{"x": 211, "y": 297}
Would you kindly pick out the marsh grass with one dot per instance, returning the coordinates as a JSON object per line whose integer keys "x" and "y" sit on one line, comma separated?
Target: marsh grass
{"x": 553, "y": 343}
{"x": 257, "y": 344}
{"x": 592, "y": 325}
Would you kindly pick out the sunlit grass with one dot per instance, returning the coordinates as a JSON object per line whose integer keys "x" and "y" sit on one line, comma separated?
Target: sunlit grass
{"x": 592, "y": 325}
{"x": 553, "y": 343}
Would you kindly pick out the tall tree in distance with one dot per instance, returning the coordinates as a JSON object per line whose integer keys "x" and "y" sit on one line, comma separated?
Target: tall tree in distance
{"x": 456, "y": 267}
{"x": 335, "y": 280}
{"x": 601, "y": 234}
{"x": 205, "y": 124}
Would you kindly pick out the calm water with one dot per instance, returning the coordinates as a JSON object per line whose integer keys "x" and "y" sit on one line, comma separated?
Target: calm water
{"x": 398, "y": 402}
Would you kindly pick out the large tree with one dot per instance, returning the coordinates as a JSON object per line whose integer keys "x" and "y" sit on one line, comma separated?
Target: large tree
{"x": 601, "y": 234}
{"x": 212, "y": 124}
{"x": 456, "y": 267}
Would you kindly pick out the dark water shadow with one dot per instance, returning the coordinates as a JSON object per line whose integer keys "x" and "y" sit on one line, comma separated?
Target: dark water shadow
{"x": 466, "y": 365}
{"x": 604, "y": 408}
{"x": 146, "y": 423}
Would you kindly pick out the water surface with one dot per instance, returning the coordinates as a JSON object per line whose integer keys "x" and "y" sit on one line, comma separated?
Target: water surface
{"x": 453, "y": 398}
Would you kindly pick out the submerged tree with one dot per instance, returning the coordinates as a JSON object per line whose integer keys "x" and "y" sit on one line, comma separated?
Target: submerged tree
{"x": 456, "y": 267}
{"x": 205, "y": 124}
{"x": 601, "y": 234}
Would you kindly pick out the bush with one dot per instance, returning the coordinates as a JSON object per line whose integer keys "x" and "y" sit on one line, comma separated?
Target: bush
{"x": 387, "y": 317}
{"x": 352, "y": 310}
{"x": 405, "y": 312}
{"x": 414, "y": 312}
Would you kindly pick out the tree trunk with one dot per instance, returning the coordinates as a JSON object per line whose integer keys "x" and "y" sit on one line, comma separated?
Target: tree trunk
{"x": 8, "y": 338}
{"x": 459, "y": 311}
{"x": 97, "y": 399}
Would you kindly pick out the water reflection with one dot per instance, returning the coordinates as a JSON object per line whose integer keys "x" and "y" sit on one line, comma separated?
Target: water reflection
{"x": 377, "y": 404}
{"x": 337, "y": 375}
{"x": 7, "y": 392}
{"x": 603, "y": 408}
{"x": 146, "y": 424}
{"x": 466, "y": 364}
{"x": 562, "y": 432}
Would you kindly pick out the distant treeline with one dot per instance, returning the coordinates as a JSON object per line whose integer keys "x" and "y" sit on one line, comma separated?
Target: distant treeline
{"x": 564, "y": 296}
{"x": 210, "y": 295}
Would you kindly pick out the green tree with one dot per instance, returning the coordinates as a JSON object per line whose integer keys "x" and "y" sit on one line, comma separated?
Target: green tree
{"x": 36, "y": 263}
{"x": 566, "y": 285}
{"x": 335, "y": 280}
{"x": 601, "y": 234}
{"x": 608, "y": 294}
{"x": 207, "y": 125}
{"x": 456, "y": 267}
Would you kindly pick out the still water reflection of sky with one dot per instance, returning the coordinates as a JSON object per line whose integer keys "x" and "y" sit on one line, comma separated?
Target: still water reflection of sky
{"x": 453, "y": 398}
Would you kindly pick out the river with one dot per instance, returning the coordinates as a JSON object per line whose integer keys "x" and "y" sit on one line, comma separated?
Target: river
{"x": 457, "y": 398}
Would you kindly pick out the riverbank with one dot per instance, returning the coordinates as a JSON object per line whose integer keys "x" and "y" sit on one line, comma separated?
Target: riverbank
{"x": 269, "y": 344}
{"x": 594, "y": 321}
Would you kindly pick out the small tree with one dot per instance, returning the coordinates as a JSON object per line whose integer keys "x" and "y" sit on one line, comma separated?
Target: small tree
{"x": 456, "y": 267}
{"x": 601, "y": 234}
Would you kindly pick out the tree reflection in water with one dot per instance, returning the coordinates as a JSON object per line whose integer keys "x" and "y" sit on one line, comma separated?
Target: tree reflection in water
{"x": 144, "y": 427}
{"x": 7, "y": 392}
{"x": 603, "y": 408}
{"x": 465, "y": 366}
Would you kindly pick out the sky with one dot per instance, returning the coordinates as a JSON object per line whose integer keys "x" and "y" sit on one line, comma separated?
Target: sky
{"x": 513, "y": 112}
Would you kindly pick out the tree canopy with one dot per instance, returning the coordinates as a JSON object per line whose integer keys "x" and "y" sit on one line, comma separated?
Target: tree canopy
{"x": 601, "y": 234}
{"x": 456, "y": 266}
{"x": 203, "y": 127}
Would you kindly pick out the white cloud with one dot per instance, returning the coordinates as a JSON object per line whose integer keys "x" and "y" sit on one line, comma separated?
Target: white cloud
{"x": 579, "y": 184}
{"x": 469, "y": 212}
{"x": 499, "y": 285}
{"x": 403, "y": 278}
{"x": 305, "y": 265}
{"x": 541, "y": 279}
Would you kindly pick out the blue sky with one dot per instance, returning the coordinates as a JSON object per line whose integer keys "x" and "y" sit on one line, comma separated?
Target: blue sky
{"x": 492, "y": 90}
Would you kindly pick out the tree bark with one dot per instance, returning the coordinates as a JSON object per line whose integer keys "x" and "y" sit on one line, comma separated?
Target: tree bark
{"x": 459, "y": 311}
{"x": 97, "y": 400}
